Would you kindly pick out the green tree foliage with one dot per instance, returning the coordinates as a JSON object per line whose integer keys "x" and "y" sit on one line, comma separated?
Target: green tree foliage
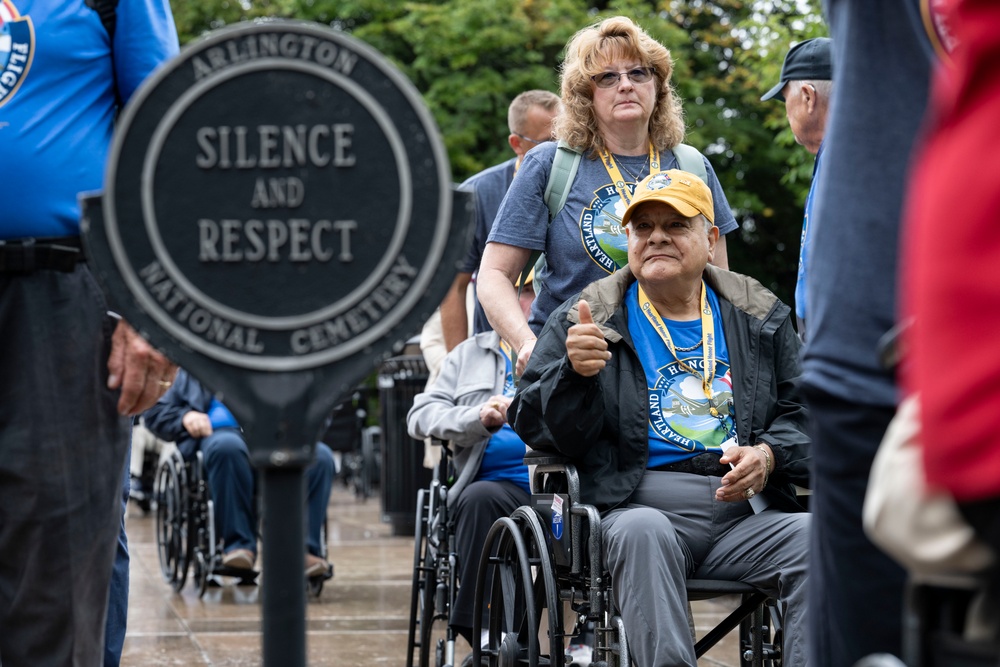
{"x": 733, "y": 57}
{"x": 469, "y": 58}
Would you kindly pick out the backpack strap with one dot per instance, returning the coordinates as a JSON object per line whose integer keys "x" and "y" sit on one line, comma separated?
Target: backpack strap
{"x": 689, "y": 159}
{"x": 107, "y": 10}
{"x": 564, "y": 167}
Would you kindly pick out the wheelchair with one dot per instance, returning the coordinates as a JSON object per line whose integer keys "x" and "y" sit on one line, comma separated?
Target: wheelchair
{"x": 940, "y": 612}
{"x": 185, "y": 529}
{"x": 547, "y": 557}
{"x": 359, "y": 445}
{"x": 147, "y": 447}
{"x": 435, "y": 578}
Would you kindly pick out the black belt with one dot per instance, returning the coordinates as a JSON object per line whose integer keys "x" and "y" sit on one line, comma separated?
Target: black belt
{"x": 705, "y": 463}
{"x": 52, "y": 254}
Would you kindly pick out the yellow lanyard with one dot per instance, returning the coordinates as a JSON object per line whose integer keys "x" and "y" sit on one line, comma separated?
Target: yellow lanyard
{"x": 707, "y": 341}
{"x": 509, "y": 381}
{"x": 616, "y": 174}
{"x": 505, "y": 349}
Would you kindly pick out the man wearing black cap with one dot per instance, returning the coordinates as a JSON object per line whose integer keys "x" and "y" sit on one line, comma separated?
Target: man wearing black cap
{"x": 883, "y": 66}
{"x": 805, "y": 87}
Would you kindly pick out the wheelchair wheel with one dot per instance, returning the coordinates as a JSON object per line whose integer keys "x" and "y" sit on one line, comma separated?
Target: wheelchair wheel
{"x": 369, "y": 462}
{"x": 522, "y": 584}
{"x": 202, "y": 572}
{"x": 172, "y": 521}
{"x": 760, "y": 644}
{"x": 777, "y": 635}
{"x": 314, "y": 585}
{"x": 611, "y": 643}
{"x": 422, "y": 588}
{"x": 200, "y": 523}
{"x": 619, "y": 647}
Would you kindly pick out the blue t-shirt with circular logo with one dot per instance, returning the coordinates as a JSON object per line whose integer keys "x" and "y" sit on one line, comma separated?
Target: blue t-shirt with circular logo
{"x": 680, "y": 421}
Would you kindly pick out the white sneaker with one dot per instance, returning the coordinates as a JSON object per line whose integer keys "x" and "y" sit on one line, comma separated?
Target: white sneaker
{"x": 579, "y": 655}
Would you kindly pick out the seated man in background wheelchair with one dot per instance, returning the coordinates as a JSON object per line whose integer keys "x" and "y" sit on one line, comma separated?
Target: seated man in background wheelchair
{"x": 466, "y": 406}
{"x": 645, "y": 382}
{"x": 189, "y": 415}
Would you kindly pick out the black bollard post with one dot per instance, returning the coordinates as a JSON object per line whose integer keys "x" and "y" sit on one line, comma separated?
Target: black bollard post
{"x": 283, "y": 588}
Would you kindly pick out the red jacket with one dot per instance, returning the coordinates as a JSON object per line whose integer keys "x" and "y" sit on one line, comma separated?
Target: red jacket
{"x": 951, "y": 263}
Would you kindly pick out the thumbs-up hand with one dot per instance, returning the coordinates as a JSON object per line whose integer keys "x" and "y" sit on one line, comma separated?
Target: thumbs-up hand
{"x": 585, "y": 345}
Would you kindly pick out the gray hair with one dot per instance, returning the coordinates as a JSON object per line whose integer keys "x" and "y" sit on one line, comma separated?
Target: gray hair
{"x": 524, "y": 102}
{"x": 823, "y": 87}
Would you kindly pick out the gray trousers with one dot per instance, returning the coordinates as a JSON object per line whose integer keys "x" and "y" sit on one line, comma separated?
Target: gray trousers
{"x": 672, "y": 529}
{"x": 62, "y": 446}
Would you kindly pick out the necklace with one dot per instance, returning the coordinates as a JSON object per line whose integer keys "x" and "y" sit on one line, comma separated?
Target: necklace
{"x": 616, "y": 175}
{"x": 692, "y": 348}
{"x": 642, "y": 168}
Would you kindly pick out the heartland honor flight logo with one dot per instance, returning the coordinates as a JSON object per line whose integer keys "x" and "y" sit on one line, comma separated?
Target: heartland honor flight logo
{"x": 602, "y": 231}
{"x": 17, "y": 39}
{"x": 679, "y": 412}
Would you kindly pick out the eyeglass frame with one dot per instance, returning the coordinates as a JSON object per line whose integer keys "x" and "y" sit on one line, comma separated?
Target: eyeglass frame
{"x": 530, "y": 140}
{"x": 650, "y": 71}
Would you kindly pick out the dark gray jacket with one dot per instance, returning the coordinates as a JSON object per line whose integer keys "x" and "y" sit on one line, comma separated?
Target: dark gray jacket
{"x": 601, "y": 422}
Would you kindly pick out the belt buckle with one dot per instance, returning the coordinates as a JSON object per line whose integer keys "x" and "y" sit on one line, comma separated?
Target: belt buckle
{"x": 63, "y": 257}
{"x": 17, "y": 256}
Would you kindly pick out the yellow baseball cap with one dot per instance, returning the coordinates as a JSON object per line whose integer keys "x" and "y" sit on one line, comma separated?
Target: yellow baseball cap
{"x": 682, "y": 191}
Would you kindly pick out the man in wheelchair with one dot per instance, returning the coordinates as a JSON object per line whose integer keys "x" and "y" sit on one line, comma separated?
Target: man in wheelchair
{"x": 466, "y": 406}
{"x": 190, "y": 416}
{"x": 672, "y": 387}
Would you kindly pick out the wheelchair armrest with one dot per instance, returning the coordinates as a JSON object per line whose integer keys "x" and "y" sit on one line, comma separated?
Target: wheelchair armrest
{"x": 535, "y": 458}
{"x": 552, "y": 473}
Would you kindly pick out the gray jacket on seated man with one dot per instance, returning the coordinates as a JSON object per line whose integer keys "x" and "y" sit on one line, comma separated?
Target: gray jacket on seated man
{"x": 467, "y": 406}
{"x": 668, "y": 451}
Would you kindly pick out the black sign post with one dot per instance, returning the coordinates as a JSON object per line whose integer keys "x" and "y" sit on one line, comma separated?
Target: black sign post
{"x": 278, "y": 203}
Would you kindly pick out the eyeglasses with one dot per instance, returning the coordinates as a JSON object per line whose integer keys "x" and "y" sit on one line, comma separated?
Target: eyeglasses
{"x": 635, "y": 75}
{"x": 530, "y": 140}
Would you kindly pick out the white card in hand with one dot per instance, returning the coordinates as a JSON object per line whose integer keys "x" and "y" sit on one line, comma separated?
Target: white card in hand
{"x": 759, "y": 503}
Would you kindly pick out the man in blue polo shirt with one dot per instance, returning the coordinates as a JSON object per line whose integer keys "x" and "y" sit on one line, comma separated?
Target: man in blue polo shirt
{"x": 805, "y": 87}
{"x": 72, "y": 373}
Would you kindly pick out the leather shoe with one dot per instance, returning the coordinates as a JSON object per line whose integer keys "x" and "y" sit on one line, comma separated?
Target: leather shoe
{"x": 239, "y": 559}
{"x": 316, "y": 566}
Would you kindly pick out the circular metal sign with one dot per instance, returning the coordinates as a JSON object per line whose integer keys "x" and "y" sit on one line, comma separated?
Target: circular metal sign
{"x": 277, "y": 197}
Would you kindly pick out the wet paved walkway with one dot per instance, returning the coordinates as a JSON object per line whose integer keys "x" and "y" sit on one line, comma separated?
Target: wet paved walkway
{"x": 359, "y": 620}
